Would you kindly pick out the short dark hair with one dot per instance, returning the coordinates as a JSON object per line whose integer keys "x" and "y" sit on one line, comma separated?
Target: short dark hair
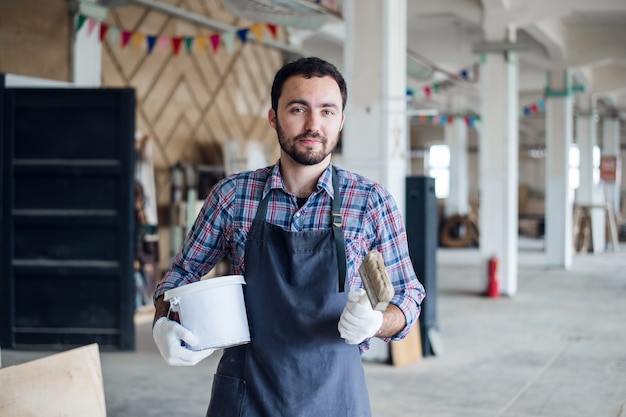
{"x": 307, "y": 67}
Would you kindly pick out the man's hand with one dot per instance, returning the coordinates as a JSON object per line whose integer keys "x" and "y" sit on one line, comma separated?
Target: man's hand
{"x": 358, "y": 320}
{"x": 168, "y": 335}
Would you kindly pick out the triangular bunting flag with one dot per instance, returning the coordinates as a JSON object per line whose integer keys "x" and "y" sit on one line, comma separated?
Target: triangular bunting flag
{"x": 188, "y": 44}
{"x": 176, "y": 44}
{"x": 126, "y": 35}
{"x": 273, "y": 30}
{"x": 113, "y": 36}
{"x": 164, "y": 41}
{"x": 215, "y": 42}
{"x": 150, "y": 42}
{"x": 409, "y": 95}
{"x": 243, "y": 35}
{"x": 427, "y": 92}
{"x": 91, "y": 24}
{"x": 258, "y": 30}
{"x": 80, "y": 21}
{"x": 200, "y": 43}
{"x": 138, "y": 39}
{"x": 104, "y": 28}
{"x": 228, "y": 39}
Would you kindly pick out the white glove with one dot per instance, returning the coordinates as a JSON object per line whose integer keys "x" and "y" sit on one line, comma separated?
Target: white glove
{"x": 358, "y": 320}
{"x": 168, "y": 334}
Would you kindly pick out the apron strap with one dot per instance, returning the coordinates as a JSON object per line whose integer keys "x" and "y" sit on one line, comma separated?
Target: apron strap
{"x": 340, "y": 243}
{"x": 262, "y": 209}
{"x": 336, "y": 222}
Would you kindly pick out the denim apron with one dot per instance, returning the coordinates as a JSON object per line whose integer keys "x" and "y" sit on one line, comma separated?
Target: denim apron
{"x": 296, "y": 365}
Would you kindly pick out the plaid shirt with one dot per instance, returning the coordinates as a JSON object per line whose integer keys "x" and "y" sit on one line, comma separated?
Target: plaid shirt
{"x": 371, "y": 220}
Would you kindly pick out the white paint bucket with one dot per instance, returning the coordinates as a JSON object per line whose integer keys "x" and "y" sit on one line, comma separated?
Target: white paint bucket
{"x": 214, "y": 310}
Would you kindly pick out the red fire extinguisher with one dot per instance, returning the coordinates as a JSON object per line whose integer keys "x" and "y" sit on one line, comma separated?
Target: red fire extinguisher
{"x": 492, "y": 283}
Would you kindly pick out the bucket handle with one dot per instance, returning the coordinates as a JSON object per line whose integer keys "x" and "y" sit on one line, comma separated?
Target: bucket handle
{"x": 174, "y": 303}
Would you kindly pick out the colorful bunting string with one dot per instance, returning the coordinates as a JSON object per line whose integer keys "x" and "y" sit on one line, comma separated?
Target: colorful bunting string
{"x": 469, "y": 74}
{"x": 533, "y": 108}
{"x": 443, "y": 119}
{"x": 470, "y": 120}
{"x": 526, "y": 111}
{"x": 173, "y": 43}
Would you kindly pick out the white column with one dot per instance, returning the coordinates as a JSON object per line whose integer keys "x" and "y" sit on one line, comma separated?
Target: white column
{"x": 375, "y": 138}
{"x": 611, "y": 147}
{"x": 499, "y": 165}
{"x": 455, "y": 136}
{"x": 558, "y": 200}
{"x": 589, "y": 192}
{"x": 375, "y": 142}
{"x": 87, "y": 50}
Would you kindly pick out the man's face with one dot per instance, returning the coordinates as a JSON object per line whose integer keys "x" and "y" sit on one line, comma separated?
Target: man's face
{"x": 308, "y": 119}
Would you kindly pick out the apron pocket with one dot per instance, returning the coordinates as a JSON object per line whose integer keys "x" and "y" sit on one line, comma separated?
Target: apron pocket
{"x": 227, "y": 396}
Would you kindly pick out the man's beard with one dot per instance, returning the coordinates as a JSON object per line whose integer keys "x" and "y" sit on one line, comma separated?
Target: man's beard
{"x": 308, "y": 156}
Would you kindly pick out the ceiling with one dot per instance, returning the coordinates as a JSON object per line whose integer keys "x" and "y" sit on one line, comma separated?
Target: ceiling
{"x": 584, "y": 36}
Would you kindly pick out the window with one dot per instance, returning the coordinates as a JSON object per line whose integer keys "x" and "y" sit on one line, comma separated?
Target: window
{"x": 596, "y": 165}
{"x": 574, "y": 166}
{"x": 438, "y": 167}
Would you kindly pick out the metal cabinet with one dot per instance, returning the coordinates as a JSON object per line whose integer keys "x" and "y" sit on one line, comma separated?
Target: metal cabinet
{"x": 66, "y": 217}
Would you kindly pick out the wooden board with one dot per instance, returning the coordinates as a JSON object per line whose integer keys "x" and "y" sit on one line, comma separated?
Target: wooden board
{"x": 407, "y": 350}
{"x": 65, "y": 384}
{"x": 191, "y": 103}
{"x": 34, "y": 37}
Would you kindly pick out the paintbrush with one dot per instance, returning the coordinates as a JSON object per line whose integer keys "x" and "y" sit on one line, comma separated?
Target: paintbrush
{"x": 376, "y": 281}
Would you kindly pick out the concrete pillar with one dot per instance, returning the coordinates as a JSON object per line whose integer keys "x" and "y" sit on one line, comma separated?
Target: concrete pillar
{"x": 87, "y": 50}
{"x": 611, "y": 147}
{"x": 589, "y": 192}
{"x": 558, "y": 201}
{"x": 455, "y": 136}
{"x": 498, "y": 158}
{"x": 375, "y": 138}
{"x": 375, "y": 142}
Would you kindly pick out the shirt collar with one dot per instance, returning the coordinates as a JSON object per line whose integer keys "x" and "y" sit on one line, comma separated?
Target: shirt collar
{"x": 275, "y": 180}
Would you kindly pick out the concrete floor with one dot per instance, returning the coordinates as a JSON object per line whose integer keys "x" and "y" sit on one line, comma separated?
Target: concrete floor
{"x": 555, "y": 349}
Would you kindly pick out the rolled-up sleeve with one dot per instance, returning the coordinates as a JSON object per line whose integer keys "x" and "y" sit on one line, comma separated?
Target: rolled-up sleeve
{"x": 391, "y": 242}
{"x": 203, "y": 246}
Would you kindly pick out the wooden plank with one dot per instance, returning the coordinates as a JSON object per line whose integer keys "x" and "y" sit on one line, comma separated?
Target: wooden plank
{"x": 66, "y": 384}
{"x": 188, "y": 100}
{"x": 34, "y": 39}
{"x": 407, "y": 350}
